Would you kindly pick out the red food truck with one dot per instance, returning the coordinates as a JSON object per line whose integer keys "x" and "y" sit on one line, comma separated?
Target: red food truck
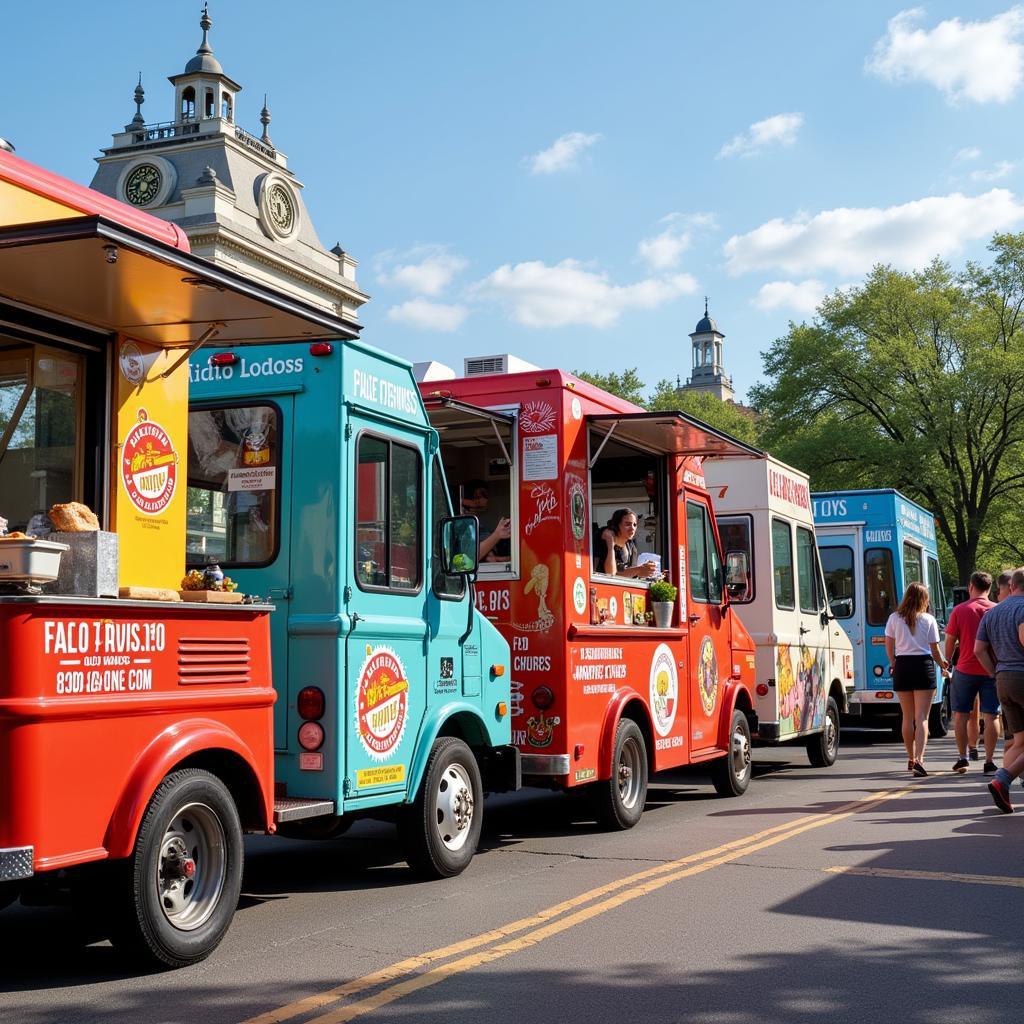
{"x": 601, "y": 696}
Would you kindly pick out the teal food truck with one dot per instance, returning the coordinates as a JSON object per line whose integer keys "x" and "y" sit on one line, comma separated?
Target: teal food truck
{"x": 873, "y": 543}
{"x": 314, "y": 482}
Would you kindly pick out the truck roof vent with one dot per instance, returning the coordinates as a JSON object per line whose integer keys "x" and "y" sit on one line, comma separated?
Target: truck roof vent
{"x": 478, "y": 366}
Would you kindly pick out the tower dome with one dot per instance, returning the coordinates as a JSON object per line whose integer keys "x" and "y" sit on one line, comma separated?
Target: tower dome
{"x": 204, "y": 59}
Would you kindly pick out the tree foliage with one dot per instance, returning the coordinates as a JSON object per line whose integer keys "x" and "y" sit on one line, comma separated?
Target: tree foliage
{"x": 914, "y": 381}
{"x": 626, "y": 385}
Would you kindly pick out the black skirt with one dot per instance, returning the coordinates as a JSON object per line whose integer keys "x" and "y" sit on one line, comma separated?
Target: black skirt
{"x": 913, "y": 672}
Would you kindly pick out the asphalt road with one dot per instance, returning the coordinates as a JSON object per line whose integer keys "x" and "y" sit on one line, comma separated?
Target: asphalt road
{"x": 846, "y": 894}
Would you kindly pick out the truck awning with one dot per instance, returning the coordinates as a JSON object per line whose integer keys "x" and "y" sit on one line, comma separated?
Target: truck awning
{"x": 110, "y": 277}
{"x": 670, "y": 433}
{"x": 450, "y": 415}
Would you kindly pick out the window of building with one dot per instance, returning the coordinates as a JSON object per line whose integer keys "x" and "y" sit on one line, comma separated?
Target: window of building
{"x": 208, "y": 104}
{"x": 736, "y": 533}
{"x": 234, "y": 479}
{"x": 912, "y": 568}
{"x": 389, "y": 503}
{"x": 188, "y": 104}
{"x": 41, "y": 455}
{"x": 225, "y": 108}
{"x": 625, "y": 483}
{"x": 811, "y": 598}
{"x": 782, "y": 565}
{"x": 879, "y": 585}
{"x": 838, "y": 565}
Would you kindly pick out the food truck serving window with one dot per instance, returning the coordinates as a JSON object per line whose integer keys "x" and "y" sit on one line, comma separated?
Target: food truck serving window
{"x": 41, "y": 457}
{"x": 838, "y": 565}
{"x": 879, "y": 585}
{"x": 234, "y": 469}
{"x": 389, "y": 503}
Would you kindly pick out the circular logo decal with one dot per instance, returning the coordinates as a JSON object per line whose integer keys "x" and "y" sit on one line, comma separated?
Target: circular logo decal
{"x": 149, "y": 466}
{"x": 613, "y": 607}
{"x": 579, "y": 596}
{"x": 577, "y": 409}
{"x": 132, "y": 365}
{"x": 537, "y": 418}
{"x": 707, "y": 675}
{"x": 664, "y": 689}
{"x": 382, "y": 702}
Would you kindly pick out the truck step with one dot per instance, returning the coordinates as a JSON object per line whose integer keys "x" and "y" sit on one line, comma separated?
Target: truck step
{"x": 288, "y": 808}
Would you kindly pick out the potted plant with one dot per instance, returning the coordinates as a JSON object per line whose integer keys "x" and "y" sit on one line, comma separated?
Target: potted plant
{"x": 662, "y": 595}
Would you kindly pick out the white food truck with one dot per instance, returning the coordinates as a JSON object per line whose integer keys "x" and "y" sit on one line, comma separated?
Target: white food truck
{"x": 804, "y": 660}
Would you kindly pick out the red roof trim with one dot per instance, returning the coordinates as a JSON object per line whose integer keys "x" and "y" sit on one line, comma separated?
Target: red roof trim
{"x": 62, "y": 190}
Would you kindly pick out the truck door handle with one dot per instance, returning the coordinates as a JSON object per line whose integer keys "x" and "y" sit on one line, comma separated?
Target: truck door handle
{"x": 693, "y": 619}
{"x": 803, "y": 630}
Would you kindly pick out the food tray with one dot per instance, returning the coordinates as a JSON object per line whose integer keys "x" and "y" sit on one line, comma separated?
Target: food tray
{"x": 30, "y": 561}
{"x": 212, "y": 596}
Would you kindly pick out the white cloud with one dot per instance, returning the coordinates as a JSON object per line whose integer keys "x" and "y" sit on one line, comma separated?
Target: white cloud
{"x": 982, "y": 61}
{"x": 539, "y": 295}
{"x": 779, "y": 130}
{"x": 851, "y": 240}
{"x": 662, "y": 251}
{"x": 967, "y": 154}
{"x": 428, "y": 316}
{"x": 563, "y": 154}
{"x": 997, "y": 173}
{"x": 801, "y": 296}
{"x": 424, "y": 269}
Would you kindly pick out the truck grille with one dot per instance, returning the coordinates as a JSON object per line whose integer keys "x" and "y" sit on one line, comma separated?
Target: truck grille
{"x": 210, "y": 661}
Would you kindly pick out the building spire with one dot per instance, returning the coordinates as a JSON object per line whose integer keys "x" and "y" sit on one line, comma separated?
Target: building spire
{"x": 140, "y": 97}
{"x": 205, "y": 24}
{"x": 705, "y": 305}
{"x": 265, "y": 121}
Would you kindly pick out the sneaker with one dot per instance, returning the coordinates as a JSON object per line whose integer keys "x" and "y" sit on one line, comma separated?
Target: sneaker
{"x": 989, "y": 769}
{"x": 1000, "y": 796}
{"x": 919, "y": 770}
{"x": 961, "y": 765}
{"x": 972, "y": 753}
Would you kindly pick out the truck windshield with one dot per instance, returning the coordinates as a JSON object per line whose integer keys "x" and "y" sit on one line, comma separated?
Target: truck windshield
{"x": 233, "y": 485}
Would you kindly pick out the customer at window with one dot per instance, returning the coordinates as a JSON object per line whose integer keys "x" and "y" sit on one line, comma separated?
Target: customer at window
{"x": 615, "y": 552}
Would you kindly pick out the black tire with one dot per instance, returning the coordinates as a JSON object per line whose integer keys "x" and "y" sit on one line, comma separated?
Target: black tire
{"x": 823, "y": 747}
{"x": 730, "y": 775}
{"x": 939, "y": 716}
{"x": 180, "y": 886}
{"x": 618, "y": 802}
{"x": 440, "y": 830}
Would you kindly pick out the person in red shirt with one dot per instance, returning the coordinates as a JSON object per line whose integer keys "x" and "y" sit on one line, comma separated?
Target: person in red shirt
{"x": 970, "y": 679}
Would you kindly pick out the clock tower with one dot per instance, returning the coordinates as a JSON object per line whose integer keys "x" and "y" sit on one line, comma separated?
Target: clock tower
{"x": 230, "y": 191}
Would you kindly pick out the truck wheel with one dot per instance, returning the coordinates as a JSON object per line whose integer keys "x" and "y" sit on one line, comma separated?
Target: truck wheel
{"x": 440, "y": 830}
{"x": 730, "y": 775}
{"x": 938, "y": 717}
{"x": 185, "y": 873}
{"x": 823, "y": 747}
{"x": 619, "y": 801}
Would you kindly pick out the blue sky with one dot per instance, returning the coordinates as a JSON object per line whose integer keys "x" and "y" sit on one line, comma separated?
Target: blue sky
{"x": 566, "y": 180}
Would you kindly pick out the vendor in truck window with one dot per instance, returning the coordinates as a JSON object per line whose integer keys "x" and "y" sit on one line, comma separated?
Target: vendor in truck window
{"x": 495, "y": 532}
{"x": 616, "y": 552}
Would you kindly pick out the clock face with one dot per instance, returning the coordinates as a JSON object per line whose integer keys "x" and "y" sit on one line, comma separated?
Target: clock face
{"x": 279, "y": 203}
{"x": 142, "y": 185}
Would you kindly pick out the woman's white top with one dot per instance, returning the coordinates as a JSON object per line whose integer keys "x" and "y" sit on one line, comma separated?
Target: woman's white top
{"x": 926, "y": 631}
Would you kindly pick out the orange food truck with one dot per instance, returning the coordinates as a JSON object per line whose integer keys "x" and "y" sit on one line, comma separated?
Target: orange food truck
{"x": 601, "y": 696}
{"x": 139, "y": 736}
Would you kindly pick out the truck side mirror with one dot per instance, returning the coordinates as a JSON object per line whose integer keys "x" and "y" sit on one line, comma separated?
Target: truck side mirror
{"x": 460, "y": 545}
{"x": 737, "y": 575}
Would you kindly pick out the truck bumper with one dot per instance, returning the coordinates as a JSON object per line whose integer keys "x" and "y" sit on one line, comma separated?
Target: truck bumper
{"x": 16, "y": 863}
{"x": 545, "y": 764}
{"x": 503, "y": 769}
{"x": 768, "y": 732}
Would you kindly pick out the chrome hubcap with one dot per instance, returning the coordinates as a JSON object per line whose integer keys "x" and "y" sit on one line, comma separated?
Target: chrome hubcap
{"x": 192, "y": 866}
{"x": 455, "y": 807}
{"x": 740, "y": 753}
{"x": 628, "y": 774}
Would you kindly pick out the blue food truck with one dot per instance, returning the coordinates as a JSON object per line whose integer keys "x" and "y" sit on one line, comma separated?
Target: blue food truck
{"x": 314, "y": 481}
{"x": 873, "y": 543}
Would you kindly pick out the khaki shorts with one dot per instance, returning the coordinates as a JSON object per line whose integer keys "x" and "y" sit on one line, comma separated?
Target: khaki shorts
{"x": 1010, "y": 687}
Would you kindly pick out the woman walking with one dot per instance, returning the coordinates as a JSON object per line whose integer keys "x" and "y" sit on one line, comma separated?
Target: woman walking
{"x": 912, "y": 644}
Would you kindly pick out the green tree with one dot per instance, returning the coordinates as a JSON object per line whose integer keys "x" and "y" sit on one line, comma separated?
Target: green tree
{"x": 915, "y": 381}
{"x": 626, "y": 385}
{"x": 725, "y": 416}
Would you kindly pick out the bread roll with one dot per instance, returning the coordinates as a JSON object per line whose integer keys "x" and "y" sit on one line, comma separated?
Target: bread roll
{"x": 74, "y": 517}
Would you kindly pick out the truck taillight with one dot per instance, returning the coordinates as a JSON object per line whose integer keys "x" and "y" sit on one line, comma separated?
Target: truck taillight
{"x": 311, "y": 702}
{"x": 311, "y": 736}
{"x": 542, "y": 698}
{"x": 762, "y": 689}
{"x": 223, "y": 359}
{"x": 321, "y": 348}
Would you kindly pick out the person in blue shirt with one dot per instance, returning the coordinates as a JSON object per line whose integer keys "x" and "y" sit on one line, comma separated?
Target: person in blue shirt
{"x": 1000, "y": 649}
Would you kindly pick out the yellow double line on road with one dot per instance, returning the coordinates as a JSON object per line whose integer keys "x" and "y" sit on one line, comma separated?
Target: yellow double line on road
{"x": 418, "y": 973}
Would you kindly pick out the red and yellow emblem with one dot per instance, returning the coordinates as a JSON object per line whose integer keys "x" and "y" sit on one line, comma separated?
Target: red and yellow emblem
{"x": 382, "y": 702}
{"x": 149, "y": 466}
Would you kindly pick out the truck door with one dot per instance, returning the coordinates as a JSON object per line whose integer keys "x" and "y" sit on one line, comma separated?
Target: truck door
{"x": 842, "y": 563}
{"x": 385, "y": 597}
{"x": 710, "y": 656}
{"x": 239, "y": 511}
{"x": 813, "y": 661}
